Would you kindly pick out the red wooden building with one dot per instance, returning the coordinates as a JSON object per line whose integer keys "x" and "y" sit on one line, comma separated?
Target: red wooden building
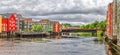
{"x": 109, "y": 19}
{"x": 56, "y": 27}
{"x": 4, "y": 24}
{"x": 12, "y": 23}
{"x": 8, "y": 23}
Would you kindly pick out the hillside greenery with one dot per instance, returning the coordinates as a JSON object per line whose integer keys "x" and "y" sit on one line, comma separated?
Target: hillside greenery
{"x": 98, "y": 24}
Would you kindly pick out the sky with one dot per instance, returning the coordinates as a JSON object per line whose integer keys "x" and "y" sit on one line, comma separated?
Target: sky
{"x": 75, "y": 12}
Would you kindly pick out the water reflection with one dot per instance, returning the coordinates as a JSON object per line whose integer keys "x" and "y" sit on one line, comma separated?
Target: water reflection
{"x": 50, "y": 46}
{"x": 57, "y": 37}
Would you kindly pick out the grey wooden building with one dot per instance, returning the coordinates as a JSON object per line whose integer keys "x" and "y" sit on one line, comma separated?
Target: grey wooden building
{"x": 116, "y": 19}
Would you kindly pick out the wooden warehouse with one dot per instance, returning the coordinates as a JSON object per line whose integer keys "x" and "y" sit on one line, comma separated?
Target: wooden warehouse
{"x": 7, "y": 23}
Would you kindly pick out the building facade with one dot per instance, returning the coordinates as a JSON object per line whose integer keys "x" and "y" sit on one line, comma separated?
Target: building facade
{"x": 109, "y": 19}
{"x": 12, "y": 23}
{"x": 56, "y": 27}
{"x": 22, "y": 23}
{"x": 4, "y": 24}
{"x": 8, "y": 22}
{"x": 49, "y": 26}
{"x": 116, "y": 19}
{"x": 16, "y": 22}
{"x": 19, "y": 21}
{"x": 27, "y": 23}
{"x": 0, "y": 23}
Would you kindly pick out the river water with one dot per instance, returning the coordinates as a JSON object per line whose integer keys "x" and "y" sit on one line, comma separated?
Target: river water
{"x": 54, "y": 46}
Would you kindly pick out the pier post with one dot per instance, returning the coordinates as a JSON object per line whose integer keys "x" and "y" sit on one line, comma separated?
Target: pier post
{"x": 110, "y": 44}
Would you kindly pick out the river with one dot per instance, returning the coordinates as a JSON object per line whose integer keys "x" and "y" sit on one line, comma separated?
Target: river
{"x": 54, "y": 46}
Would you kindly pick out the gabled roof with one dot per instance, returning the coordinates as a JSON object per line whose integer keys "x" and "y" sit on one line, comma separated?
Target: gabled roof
{"x": 7, "y": 15}
{"x": 12, "y": 16}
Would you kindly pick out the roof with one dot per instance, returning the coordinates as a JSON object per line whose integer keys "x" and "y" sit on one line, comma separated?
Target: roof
{"x": 7, "y": 15}
{"x": 28, "y": 19}
{"x": 44, "y": 21}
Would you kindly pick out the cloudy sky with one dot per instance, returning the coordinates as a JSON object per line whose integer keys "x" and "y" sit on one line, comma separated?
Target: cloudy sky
{"x": 75, "y": 12}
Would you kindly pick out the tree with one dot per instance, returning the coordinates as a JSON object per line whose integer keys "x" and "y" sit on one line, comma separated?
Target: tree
{"x": 66, "y": 25}
{"x": 23, "y": 24}
{"x": 37, "y": 27}
{"x": 102, "y": 24}
{"x": 99, "y": 24}
{"x": 91, "y": 26}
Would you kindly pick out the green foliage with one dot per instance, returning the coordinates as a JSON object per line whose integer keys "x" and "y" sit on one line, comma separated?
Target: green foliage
{"x": 37, "y": 27}
{"x": 102, "y": 24}
{"x": 66, "y": 25}
{"x": 23, "y": 24}
{"x": 99, "y": 32}
{"x": 98, "y": 24}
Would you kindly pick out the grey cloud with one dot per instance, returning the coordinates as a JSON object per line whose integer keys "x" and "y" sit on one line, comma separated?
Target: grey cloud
{"x": 95, "y": 11}
{"x": 72, "y": 18}
{"x": 51, "y": 7}
{"x": 84, "y": 11}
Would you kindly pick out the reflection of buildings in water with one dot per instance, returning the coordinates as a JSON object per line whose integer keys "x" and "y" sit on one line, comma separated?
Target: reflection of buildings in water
{"x": 1, "y": 44}
{"x": 6, "y": 47}
{"x": 57, "y": 37}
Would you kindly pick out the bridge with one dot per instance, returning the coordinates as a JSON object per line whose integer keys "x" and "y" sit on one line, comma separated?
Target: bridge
{"x": 65, "y": 31}
{"x": 81, "y": 29}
